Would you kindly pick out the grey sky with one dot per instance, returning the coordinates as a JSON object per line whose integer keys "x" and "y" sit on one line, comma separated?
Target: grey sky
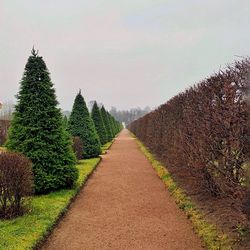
{"x": 123, "y": 53}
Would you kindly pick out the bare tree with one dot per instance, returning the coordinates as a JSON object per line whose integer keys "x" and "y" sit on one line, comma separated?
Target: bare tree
{"x": 6, "y": 110}
{"x": 127, "y": 116}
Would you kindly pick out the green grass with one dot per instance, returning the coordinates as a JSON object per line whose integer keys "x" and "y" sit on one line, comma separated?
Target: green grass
{"x": 27, "y": 231}
{"x": 106, "y": 146}
{"x": 210, "y": 235}
{"x": 2, "y": 149}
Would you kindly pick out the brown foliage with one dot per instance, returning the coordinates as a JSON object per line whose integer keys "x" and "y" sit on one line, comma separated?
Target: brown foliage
{"x": 16, "y": 182}
{"x": 78, "y": 147}
{"x": 204, "y": 130}
{"x": 4, "y": 126}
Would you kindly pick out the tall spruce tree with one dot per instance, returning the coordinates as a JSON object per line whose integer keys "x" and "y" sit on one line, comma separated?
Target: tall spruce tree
{"x": 107, "y": 124}
{"x": 65, "y": 122}
{"x": 99, "y": 124}
{"x": 81, "y": 124}
{"x": 111, "y": 124}
{"x": 114, "y": 125}
{"x": 38, "y": 132}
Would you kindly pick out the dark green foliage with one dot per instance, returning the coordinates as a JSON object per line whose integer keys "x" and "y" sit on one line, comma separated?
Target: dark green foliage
{"x": 81, "y": 124}
{"x": 118, "y": 126}
{"x": 114, "y": 125}
{"x": 38, "y": 132}
{"x": 111, "y": 124}
{"x": 107, "y": 124}
{"x": 78, "y": 147}
{"x": 65, "y": 122}
{"x": 99, "y": 124}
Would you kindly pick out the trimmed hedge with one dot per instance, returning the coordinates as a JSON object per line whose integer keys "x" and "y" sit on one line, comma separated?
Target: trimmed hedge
{"x": 204, "y": 131}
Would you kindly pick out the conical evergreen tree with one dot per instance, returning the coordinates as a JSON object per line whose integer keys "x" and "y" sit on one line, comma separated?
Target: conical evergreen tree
{"x": 65, "y": 122}
{"x": 107, "y": 124}
{"x": 99, "y": 124}
{"x": 114, "y": 125}
{"x": 111, "y": 124}
{"x": 81, "y": 124}
{"x": 38, "y": 132}
{"x": 119, "y": 126}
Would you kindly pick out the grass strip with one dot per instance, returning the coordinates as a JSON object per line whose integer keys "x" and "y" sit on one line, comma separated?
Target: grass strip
{"x": 2, "y": 149}
{"x": 28, "y": 231}
{"x": 106, "y": 146}
{"x": 210, "y": 235}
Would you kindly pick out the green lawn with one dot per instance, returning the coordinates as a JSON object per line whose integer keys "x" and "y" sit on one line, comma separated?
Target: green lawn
{"x": 106, "y": 146}
{"x": 2, "y": 149}
{"x": 26, "y": 231}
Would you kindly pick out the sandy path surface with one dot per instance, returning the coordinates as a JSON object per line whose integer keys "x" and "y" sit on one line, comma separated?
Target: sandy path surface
{"x": 124, "y": 206}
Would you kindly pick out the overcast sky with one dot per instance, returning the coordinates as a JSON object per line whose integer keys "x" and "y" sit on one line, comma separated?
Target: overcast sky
{"x": 123, "y": 53}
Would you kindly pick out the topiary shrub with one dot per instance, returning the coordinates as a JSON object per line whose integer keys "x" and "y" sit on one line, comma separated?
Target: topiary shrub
{"x": 78, "y": 147}
{"x": 106, "y": 123}
{"x": 16, "y": 182}
{"x": 99, "y": 123}
{"x": 82, "y": 125}
{"x": 38, "y": 132}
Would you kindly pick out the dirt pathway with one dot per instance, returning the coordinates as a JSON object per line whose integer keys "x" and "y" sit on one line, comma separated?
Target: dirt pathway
{"x": 124, "y": 206}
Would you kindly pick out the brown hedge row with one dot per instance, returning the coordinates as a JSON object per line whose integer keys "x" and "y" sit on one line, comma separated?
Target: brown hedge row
{"x": 204, "y": 130}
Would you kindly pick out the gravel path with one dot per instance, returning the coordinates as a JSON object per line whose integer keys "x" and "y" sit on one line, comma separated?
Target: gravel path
{"x": 124, "y": 206}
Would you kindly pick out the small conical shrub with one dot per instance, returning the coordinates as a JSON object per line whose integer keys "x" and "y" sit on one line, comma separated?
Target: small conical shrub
{"x": 111, "y": 124}
{"x": 99, "y": 124}
{"x": 65, "y": 122}
{"x": 107, "y": 124}
{"x": 81, "y": 124}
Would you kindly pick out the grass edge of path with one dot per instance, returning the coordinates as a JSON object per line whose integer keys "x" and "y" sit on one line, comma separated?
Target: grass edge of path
{"x": 45, "y": 211}
{"x": 31, "y": 230}
{"x": 82, "y": 180}
{"x": 106, "y": 147}
{"x": 82, "y": 183}
{"x": 211, "y": 236}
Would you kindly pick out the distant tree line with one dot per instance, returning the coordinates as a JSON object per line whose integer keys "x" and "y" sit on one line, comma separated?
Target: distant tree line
{"x": 127, "y": 116}
{"x": 6, "y": 110}
{"x": 123, "y": 116}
